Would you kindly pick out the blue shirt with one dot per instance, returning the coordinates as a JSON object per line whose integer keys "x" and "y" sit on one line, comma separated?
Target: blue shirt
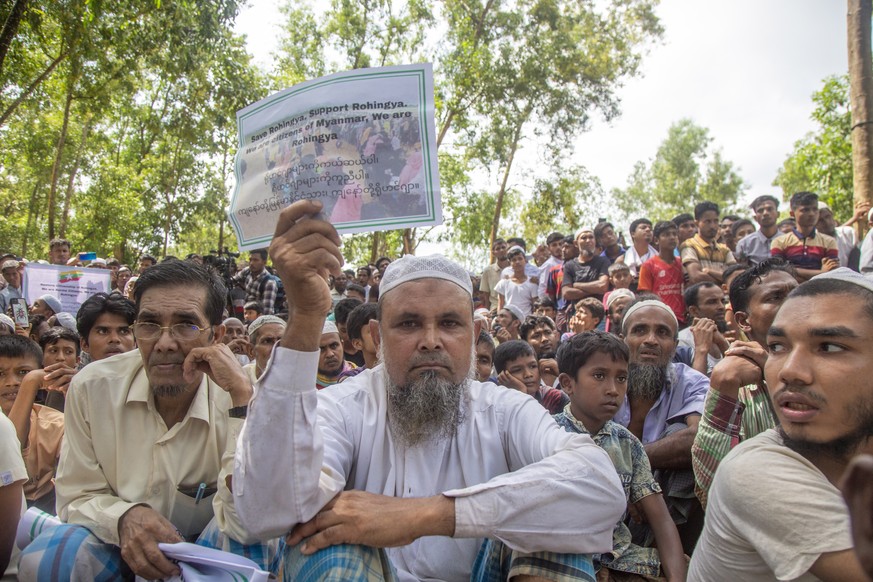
{"x": 683, "y": 394}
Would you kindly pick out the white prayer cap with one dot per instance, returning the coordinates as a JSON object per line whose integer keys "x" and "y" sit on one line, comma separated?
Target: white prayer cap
{"x": 647, "y": 303}
{"x": 7, "y": 321}
{"x": 618, "y": 294}
{"x": 411, "y": 268}
{"x": 329, "y": 327}
{"x": 847, "y": 275}
{"x": 515, "y": 310}
{"x": 514, "y": 249}
{"x": 264, "y": 320}
{"x": 66, "y": 320}
{"x": 584, "y": 229}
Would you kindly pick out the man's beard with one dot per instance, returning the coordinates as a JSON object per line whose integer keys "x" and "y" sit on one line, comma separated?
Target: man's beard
{"x": 844, "y": 447}
{"x": 428, "y": 408}
{"x": 645, "y": 381}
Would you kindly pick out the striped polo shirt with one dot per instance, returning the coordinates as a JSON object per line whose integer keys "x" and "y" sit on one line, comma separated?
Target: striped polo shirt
{"x": 804, "y": 252}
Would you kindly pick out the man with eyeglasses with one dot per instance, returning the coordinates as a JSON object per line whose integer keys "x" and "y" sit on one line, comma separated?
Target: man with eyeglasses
{"x": 150, "y": 438}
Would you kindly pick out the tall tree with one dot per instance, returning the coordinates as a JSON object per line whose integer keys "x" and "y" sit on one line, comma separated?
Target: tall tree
{"x": 861, "y": 86}
{"x": 686, "y": 169}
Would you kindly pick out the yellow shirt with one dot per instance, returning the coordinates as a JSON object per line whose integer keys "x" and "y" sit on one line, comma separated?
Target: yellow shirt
{"x": 118, "y": 452}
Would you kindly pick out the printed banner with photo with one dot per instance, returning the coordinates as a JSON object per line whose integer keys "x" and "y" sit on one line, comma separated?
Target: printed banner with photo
{"x": 71, "y": 285}
{"x": 362, "y": 142}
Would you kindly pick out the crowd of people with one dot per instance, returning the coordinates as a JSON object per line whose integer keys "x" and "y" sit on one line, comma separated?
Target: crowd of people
{"x": 691, "y": 404}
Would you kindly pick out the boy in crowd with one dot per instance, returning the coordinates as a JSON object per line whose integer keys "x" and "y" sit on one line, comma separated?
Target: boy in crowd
{"x": 358, "y": 330}
{"x": 252, "y": 311}
{"x": 341, "y": 316}
{"x": 589, "y": 314}
{"x": 40, "y": 429}
{"x": 355, "y": 291}
{"x": 662, "y": 274}
{"x": 485, "y": 358}
{"x": 594, "y": 371}
{"x": 517, "y": 367}
{"x": 546, "y": 307}
{"x": 61, "y": 348}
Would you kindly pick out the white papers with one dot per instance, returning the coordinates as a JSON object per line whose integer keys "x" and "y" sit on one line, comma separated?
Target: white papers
{"x": 199, "y": 563}
{"x": 362, "y": 142}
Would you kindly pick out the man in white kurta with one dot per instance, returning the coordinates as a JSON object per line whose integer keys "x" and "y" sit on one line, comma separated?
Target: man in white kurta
{"x": 503, "y": 471}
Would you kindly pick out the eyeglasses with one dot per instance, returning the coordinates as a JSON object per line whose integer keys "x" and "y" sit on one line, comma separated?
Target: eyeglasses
{"x": 180, "y": 331}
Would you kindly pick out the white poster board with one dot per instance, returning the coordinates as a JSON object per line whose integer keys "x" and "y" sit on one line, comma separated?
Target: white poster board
{"x": 362, "y": 142}
{"x": 72, "y": 285}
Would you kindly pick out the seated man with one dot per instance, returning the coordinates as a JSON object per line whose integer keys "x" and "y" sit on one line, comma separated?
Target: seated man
{"x": 40, "y": 429}
{"x": 265, "y": 331}
{"x": 594, "y": 372}
{"x": 104, "y": 322}
{"x": 589, "y": 315}
{"x": 331, "y": 359}
{"x": 61, "y": 349}
{"x": 46, "y": 305}
{"x": 507, "y": 324}
{"x": 737, "y": 406}
{"x": 774, "y": 509}
{"x": 340, "y": 317}
{"x": 144, "y": 431}
{"x": 517, "y": 368}
{"x": 358, "y": 328}
{"x": 485, "y": 357}
{"x": 542, "y": 335}
{"x": 412, "y": 455}
{"x": 705, "y": 337}
{"x": 662, "y": 408}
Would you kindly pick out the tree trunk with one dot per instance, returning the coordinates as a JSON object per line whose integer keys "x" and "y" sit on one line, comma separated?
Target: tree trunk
{"x": 68, "y": 197}
{"x": 374, "y": 247}
{"x": 861, "y": 99}
{"x": 56, "y": 167}
{"x": 501, "y": 195}
{"x": 10, "y": 28}
{"x": 31, "y": 218}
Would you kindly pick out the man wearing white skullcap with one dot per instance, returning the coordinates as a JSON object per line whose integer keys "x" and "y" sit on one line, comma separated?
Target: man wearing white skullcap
{"x": 331, "y": 361}
{"x": 663, "y": 406}
{"x": 264, "y": 332}
{"x": 411, "y": 455}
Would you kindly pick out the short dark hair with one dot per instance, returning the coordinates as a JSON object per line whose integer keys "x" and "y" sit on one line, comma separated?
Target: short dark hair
{"x": 546, "y": 302}
{"x": 693, "y": 291}
{"x": 533, "y": 322}
{"x": 509, "y": 351}
{"x": 343, "y": 308}
{"x": 58, "y": 333}
{"x": 380, "y": 259}
{"x": 681, "y": 219}
{"x": 358, "y": 318}
{"x": 595, "y": 306}
{"x": 703, "y": 207}
{"x": 598, "y": 230}
{"x": 662, "y": 227}
{"x": 59, "y": 242}
{"x": 260, "y": 252}
{"x": 637, "y": 222}
{"x": 817, "y": 287}
{"x": 365, "y": 268}
{"x": 738, "y": 224}
{"x": 516, "y": 240}
{"x": 740, "y": 289}
{"x": 186, "y": 274}
{"x": 18, "y": 346}
{"x": 484, "y": 337}
{"x": 731, "y": 269}
{"x": 575, "y": 353}
{"x": 554, "y": 237}
{"x": 356, "y": 287}
{"x": 148, "y": 258}
{"x": 254, "y": 306}
{"x": 569, "y": 240}
{"x": 731, "y": 217}
{"x": 101, "y": 303}
{"x": 803, "y": 199}
{"x": 785, "y": 221}
{"x": 497, "y": 241}
{"x": 617, "y": 268}
{"x": 761, "y": 200}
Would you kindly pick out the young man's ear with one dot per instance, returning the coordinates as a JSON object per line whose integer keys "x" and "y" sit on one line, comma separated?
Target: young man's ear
{"x": 373, "y": 325}
{"x": 357, "y": 343}
{"x": 84, "y": 345}
{"x": 566, "y": 383}
{"x": 742, "y": 320}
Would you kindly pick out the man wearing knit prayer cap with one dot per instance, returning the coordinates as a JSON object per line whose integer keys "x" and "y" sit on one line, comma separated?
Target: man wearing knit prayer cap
{"x": 331, "y": 360}
{"x": 662, "y": 408}
{"x": 412, "y": 455}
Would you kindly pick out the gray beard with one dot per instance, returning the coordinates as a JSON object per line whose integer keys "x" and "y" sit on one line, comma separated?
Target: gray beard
{"x": 169, "y": 390}
{"x": 427, "y": 409}
{"x": 645, "y": 381}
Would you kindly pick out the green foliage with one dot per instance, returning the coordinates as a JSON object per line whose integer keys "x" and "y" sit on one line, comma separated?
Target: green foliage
{"x": 822, "y": 161}
{"x": 562, "y": 205}
{"x": 686, "y": 170}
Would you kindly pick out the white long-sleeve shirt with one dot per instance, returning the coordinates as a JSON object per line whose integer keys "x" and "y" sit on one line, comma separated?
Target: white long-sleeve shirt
{"x": 514, "y": 474}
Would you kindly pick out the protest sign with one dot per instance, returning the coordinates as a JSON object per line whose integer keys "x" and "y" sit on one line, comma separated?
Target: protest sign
{"x": 72, "y": 285}
{"x": 362, "y": 142}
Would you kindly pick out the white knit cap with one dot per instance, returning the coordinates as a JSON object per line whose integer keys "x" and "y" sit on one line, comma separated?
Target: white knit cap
{"x": 516, "y": 311}
{"x": 7, "y": 321}
{"x": 329, "y": 327}
{"x": 849, "y": 276}
{"x": 618, "y": 294}
{"x": 411, "y": 268}
{"x": 584, "y": 229}
{"x": 264, "y": 320}
{"x": 647, "y": 303}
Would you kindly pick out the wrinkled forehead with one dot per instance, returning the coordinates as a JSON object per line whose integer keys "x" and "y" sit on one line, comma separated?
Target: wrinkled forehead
{"x": 650, "y": 316}
{"x": 427, "y": 295}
